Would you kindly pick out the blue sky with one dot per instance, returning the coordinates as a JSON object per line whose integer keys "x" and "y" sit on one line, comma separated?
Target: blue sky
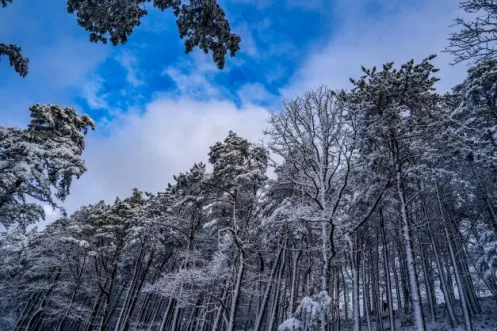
{"x": 158, "y": 110}
{"x": 67, "y": 69}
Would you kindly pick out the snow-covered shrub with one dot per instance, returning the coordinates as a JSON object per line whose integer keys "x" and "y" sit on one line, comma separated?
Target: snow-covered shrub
{"x": 310, "y": 314}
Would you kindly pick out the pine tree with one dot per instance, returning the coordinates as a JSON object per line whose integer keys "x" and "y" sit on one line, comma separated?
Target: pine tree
{"x": 40, "y": 162}
{"x": 395, "y": 108}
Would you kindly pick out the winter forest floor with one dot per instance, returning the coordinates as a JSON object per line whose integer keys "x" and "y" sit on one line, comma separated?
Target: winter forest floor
{"x": 487, "y": 320}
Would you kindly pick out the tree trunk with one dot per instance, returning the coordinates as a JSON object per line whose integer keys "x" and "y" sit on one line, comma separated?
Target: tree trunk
{"x": 354, "y": 266}
{"x": 365, "y": 291}
{"x": 169, "y": 307}
{"x": 237, "y": 291}
{"x": 263, "y": 306}
{"x": 136, "y": 291}
{"x": 386, "y": 268}
{"x": 460, "y": 287}
{"x": 419, "y": 322}
{"x": 428, "y": 285}
{"x": 274, "y": 310}
{"x": 292, "y": 291}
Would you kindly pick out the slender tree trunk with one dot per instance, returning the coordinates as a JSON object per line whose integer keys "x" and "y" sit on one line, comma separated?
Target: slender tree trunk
{"x": 386, "y": 268}
{"x": 404, "y": 278}
{"x": 219, "y": 314}
{"x": 443, "y": 281}
{"x": 354, "y": 266}
{"x": 345, "y": 295}
{"x": 176, "y": 322}
{"x": 378, "y": 298}
{"x": 263, "y": 307}
{"x": 292, "y": 291}
{"x": 43, "y": 303}
{"x": 95, "y": 311}
{"x": 397, "y": 284}
{"x": 490, "y": 207}
{"x": 135, "y": 293}
{"x": 324, "y": 252}
{"x": 419, "y": 322}
{"x": 106, "y": 312}
{"x": 165, "y": 317}
{"x": 337, "y": 298}
{"x": 237, "y": 291}
{"x": 460, "y": 252}
{"x": 460, "y": 287}
{"x": 274, "y": 310}
{"x": 128, "y": 293}
{"x": 73, "y": 296}
{"x": 150, "y": 321}
{"x": 428, "y": 284}
{"x": 27, "y": 311}
{"x": 365, "y": 290}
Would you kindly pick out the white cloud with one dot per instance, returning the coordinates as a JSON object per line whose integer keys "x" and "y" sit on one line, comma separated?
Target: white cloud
{"x": 192, "y": 84}
{"x": 193, "y": 76}
{"x": 91, "y": 91}
{"x": 129, "y": 62}
{"x": 256, "y": 93}
{"x": 248, "y": 44}
{"x": 399, "y": 32}
{"x": 146, "y": 150}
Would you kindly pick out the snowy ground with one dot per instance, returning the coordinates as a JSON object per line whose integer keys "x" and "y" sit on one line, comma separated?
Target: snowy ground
{"x": 487, "y": 320}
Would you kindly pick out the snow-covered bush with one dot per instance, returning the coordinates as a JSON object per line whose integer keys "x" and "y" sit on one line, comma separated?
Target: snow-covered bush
{"x": 310, "y": 314}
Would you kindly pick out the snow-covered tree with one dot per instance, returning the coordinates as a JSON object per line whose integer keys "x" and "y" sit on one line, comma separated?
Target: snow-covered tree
{"x": 396, "y": 108}
{"x": 316, "y": 143}
{"x": 40, "y": 162}
{"x": 474, "y": 113}
{"x": 402, "y": 178}
{"x": 16, "y": 59}
{"x": 239, "y": 172}
{"x": 202, "y": 22}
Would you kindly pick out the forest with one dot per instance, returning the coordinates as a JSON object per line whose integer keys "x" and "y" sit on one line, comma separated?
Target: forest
{"x": 367, "y": 208}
